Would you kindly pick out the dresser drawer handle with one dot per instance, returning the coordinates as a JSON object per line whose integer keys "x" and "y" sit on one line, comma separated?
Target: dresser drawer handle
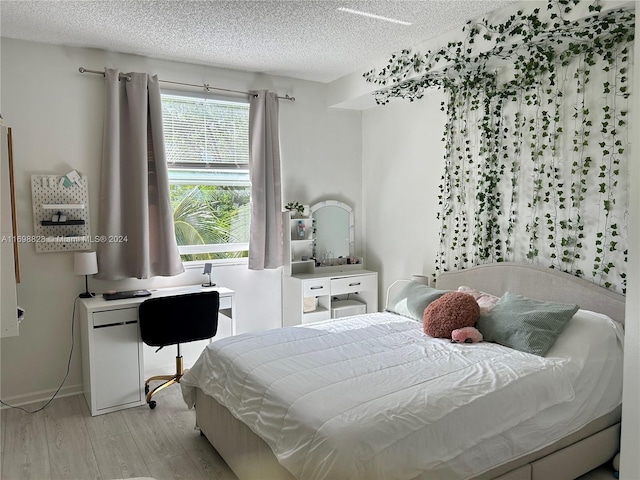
{"x": 354, "y": 284}
{"x": 316, "y": 288}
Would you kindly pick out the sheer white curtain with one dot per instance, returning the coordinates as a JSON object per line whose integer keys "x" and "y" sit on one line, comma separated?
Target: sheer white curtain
{"x": 135, "y": 217}
{"x": 265, "y": 242}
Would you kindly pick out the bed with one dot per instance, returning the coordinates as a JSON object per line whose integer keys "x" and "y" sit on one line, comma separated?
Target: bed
{"x": 372, "y": 397}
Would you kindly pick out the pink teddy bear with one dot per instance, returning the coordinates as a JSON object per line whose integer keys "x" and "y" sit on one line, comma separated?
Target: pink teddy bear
{"x": 466, "y": 335}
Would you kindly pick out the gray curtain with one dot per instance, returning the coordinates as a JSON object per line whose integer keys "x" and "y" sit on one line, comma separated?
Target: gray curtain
{"x": 135, "y": 218}
{"x": 265, "y": 242}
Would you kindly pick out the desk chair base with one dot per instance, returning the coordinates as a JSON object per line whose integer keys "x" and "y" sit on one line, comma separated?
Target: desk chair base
{"x": 170, "y": 380}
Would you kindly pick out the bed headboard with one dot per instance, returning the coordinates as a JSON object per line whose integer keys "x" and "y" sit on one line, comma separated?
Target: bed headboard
{"x": 536, "y": 282}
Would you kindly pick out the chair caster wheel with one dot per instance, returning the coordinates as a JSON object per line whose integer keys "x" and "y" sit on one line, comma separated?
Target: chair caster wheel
{"x": 146, "y": 389}
{"x": 152, "y": 404}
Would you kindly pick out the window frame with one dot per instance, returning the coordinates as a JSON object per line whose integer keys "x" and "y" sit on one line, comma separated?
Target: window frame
{"x": 219, "y": 166}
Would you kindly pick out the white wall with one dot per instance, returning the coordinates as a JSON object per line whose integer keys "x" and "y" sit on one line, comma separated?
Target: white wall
{"x": 56, "y": 114}
{"x": 402, "y": 162}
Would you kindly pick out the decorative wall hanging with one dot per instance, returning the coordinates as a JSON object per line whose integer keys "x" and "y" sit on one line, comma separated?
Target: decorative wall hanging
{"x": 535, "y": 139}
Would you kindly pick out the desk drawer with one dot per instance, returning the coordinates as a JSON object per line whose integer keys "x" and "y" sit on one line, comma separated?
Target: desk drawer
{"x": 225, "y": 303}
{"x": 316, "y": 288}
{"x": 115, "y": 317}
{"x": 358, "y": 283}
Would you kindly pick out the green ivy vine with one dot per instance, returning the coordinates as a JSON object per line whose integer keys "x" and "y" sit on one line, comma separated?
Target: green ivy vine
{"x": 535, "y": 138}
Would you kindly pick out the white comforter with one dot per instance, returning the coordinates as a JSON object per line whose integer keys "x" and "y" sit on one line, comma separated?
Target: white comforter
{"x": 372, "y": 397}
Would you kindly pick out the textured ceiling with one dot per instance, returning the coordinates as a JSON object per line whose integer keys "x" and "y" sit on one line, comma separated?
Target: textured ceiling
{"x": 306, "y": 39}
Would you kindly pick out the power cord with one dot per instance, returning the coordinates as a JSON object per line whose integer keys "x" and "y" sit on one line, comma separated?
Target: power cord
{"x": 73, "y": 323}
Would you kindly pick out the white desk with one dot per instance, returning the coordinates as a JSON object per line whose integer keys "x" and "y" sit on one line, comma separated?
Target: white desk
{"x": 112, "y": 359}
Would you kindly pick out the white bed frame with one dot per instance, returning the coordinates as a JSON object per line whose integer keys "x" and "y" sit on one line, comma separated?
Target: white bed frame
{"x": 251, "y": 458}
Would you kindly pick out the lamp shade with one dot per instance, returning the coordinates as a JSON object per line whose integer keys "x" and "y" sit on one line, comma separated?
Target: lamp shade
{"x": 423, "y": 279}
{"x": 85, "y": 263}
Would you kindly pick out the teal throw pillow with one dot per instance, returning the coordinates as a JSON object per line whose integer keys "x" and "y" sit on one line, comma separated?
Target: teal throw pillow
{"x": 413, "y": 299}
{"x": 525, "y": 324}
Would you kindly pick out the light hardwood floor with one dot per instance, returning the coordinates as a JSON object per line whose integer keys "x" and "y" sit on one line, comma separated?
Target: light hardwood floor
{"x": 64, "y": 441}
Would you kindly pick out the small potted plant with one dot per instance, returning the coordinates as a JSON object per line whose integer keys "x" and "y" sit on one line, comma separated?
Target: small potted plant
{"x": 296, "y": 209}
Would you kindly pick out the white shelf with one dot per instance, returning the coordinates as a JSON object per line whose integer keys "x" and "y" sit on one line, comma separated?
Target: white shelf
{"x": 316, "y": 315}
{"x": 297, "y": 247}
{"x": 61, "y": 206}
{"x": 49, "y": 196}
{"x": 305, "y": 263}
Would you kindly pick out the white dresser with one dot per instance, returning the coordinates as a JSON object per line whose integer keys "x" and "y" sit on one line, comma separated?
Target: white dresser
{"x": 309, "y": 297}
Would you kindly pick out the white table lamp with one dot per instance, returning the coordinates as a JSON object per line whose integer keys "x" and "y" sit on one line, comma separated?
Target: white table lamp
{"x": 423, "y": 279}
{"x": 85, "y": 263}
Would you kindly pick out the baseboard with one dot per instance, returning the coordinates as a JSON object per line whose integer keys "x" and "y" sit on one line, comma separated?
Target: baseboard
{"x": 41, "y": 396}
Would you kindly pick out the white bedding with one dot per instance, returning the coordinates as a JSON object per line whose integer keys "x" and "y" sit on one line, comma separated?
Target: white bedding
{"x": 372, "y": 397}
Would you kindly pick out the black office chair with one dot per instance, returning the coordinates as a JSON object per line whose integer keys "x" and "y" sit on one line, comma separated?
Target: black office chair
{"x": 174, "y": 320}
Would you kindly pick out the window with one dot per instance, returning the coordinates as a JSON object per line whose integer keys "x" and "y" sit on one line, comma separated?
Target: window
{"x": 207, "y": 146}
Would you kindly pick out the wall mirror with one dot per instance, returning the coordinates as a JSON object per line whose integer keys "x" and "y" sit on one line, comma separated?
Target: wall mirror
{"x": 334, "y": 232}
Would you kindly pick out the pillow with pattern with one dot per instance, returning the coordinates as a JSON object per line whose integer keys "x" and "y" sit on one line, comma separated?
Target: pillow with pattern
{"x": 525, "y": 324}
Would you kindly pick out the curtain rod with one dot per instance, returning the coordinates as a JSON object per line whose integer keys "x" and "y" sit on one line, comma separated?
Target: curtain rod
{"x": 206, "y": 86}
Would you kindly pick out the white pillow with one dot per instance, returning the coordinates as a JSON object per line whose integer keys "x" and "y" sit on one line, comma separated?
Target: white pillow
{"x": 589, "y": 340}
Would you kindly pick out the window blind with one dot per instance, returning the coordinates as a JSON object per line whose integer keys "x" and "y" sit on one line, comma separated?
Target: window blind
{"x": 205, "y": 131}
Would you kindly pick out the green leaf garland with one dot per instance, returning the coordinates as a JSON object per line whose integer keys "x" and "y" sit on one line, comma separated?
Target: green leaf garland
{"x": 535, "y": 138}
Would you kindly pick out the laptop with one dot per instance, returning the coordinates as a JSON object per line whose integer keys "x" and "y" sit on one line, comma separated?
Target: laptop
{"x": 126, "y": 294}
